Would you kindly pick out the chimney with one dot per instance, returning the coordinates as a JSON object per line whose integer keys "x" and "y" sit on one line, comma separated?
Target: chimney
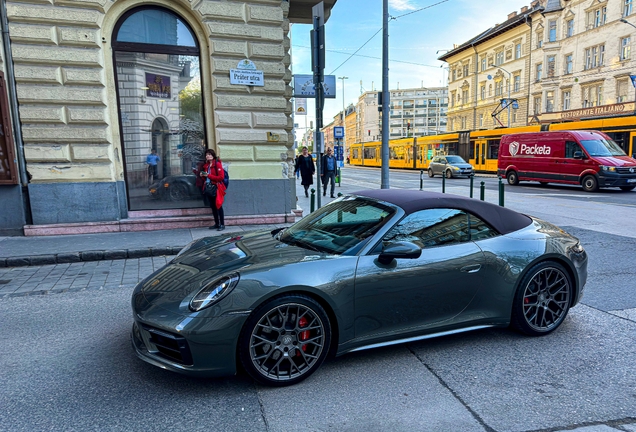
{"x": 524, "y": 9}
{"x": 512, "y": 15}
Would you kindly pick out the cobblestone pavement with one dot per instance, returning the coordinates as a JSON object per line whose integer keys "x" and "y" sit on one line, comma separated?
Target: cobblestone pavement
{"x": 93, "y": 275}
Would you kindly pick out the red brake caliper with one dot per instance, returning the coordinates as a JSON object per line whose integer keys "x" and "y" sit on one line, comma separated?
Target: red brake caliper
{"x": 304, "y": 335}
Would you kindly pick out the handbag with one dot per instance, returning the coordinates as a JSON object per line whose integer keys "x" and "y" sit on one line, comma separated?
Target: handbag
{"x": 210, "y": 190}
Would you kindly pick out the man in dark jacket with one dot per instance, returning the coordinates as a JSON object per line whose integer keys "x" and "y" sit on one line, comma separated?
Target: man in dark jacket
{"x": 328, "y": 168}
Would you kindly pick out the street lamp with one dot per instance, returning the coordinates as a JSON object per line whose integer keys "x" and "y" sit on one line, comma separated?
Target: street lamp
{"x": 343, "y": 107}
{"x": 509, "y": 101}
{"x": 623, "y": 20}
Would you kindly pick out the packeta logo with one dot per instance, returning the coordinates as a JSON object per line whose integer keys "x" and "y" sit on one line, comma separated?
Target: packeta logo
{"x": 514, "y": 148}
{"x": 534, "y": 150}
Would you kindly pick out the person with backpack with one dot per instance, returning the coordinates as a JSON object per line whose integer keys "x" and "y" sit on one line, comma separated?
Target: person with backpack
{"x": 215, "y": 187}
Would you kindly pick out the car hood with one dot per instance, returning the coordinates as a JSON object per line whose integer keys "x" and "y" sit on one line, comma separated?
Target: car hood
{"x": 619, "y": 161}
{"x": 213, "y": 257}
{"x": 462, "y": 165}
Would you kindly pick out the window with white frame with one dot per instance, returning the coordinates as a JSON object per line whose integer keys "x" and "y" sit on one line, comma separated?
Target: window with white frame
{"x": 592, "y": 95}
{"x": 466, "y": 69}
{"x": 482, "y": 91}
{"x": 539, "y": 40}
{"x": 484, "y": 64}
{"x": 569, "y": 64}
{"x": 499, "y": 88}
{"x": 452, "y": 99}
{"x": 517, "y": 50}
{"x": 597, "y": 17}
{"x": 537, "y": 104}
{"x": 625, "y": 48}
{"x": 565, "y": 97}
{"x": 463, "y": 122}
{"x": 481, "y": 120}
{"x": 551, "y": 66}
{"x": 549, "y": 101}
{"x": 538, "y": 71}
{"x": 594, "y": 56}
{"x": 517, "y": 83}
{"x": 499, "y": 58}
{"x": 489, "y": 90}
{"x": 627, "y": 8}
{"x": 622, "y": 88}
{"x": 465, "y": 96}
{"x": 569, "y": 28}
{"x": 552, "y": 30}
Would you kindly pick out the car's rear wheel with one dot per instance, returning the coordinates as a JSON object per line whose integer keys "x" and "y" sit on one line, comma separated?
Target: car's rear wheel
{"x": 449, "y": 174}
{"x": 285, "y": 340}
{"x": 542, "y": 299}
{"x": 430, "y": 172}
{"x": 513, "y": 178}
{"x": 589, "y": 183}
{"x": 627, "y": 188}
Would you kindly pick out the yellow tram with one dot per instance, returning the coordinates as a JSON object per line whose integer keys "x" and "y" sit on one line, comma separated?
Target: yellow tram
{"x": 481, "y": 147}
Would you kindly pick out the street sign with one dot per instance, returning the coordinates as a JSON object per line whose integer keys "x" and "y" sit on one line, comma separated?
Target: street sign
{"x": 301, "y": 106}
{"x": 338, "y": 132}
{"x": 304, "y": 86}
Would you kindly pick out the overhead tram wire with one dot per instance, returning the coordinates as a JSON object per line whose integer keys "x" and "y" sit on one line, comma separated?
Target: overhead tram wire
{"x": 376, "y": 33}
{"x": 371, "y": 57}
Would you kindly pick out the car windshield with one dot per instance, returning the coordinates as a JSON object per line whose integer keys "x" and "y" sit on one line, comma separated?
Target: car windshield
{"x": 340, "y": 226}
{"x": 455, "y": 159}
{"x": 602, "y": 147}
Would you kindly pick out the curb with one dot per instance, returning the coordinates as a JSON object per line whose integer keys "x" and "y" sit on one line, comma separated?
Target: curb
{"x": 99, "y": 255}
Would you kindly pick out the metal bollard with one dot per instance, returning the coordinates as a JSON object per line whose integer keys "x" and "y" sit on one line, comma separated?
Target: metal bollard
{"x": 443, "y": 183}
{"x": 501, "y": 192}
{"x": 339, "y": 194}
{"x": 312, "y": 200}
{"x": 421, "y": 179}
{"x": 472, "y": 179}
{"x": 482, "y": 191}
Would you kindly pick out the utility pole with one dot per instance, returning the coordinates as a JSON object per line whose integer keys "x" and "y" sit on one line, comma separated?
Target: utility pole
{"x": 385, "y": 95}
{"x": 343, "y": 108}
{"x": 318, "y": 64}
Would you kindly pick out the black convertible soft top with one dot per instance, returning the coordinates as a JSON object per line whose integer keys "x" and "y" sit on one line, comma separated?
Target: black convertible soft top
{"x": 500, "y": 218}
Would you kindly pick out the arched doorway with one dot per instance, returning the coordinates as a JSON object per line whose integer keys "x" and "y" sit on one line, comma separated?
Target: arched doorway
{"x": 156, "y": 57}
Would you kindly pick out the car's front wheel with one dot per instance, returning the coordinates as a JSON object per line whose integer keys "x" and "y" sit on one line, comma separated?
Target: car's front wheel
{"x": 542, "y": 299}
{"x": 449, "y": 174}
{"x": 431, "y": 173}
{"x": 285, "y": 340}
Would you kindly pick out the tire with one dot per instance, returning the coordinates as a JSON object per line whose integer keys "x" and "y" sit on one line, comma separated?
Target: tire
{"x": 178, "y": 192}
{"x": 270, "y": 347}
{"x": 589, "y": 183}
{"x": 430, "y": 173}
{"x": 513, "y": 178}
{"x": 627, "y": 188}
{"x": 542, "y": 300}
{"x": 449, "y": 174}
{"x": 543, "y": 183}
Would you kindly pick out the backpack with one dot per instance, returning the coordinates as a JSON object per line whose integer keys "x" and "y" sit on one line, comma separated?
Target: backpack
{"x": 226, "y": 178}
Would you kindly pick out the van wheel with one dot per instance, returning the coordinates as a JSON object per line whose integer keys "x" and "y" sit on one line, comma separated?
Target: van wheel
{"x": 430, "y": 173}
{"x": 589, "y": 183}
{"x": 627, "y": 188}
{"x": 543, "y": 183}
{"x": 512, "y": 178}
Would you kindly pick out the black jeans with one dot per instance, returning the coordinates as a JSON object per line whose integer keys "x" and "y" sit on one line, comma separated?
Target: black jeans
{"x": 219, "y": 217}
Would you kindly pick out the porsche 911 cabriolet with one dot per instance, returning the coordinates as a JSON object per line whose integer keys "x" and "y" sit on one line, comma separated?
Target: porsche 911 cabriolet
{"x": 370, "y": 269}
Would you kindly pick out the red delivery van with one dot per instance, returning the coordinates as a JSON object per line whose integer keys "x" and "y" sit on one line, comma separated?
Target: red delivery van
{"x": 588, "y": 158}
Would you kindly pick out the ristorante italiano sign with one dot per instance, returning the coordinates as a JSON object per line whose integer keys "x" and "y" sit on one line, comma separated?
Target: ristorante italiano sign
{"x": 582, "y": 113}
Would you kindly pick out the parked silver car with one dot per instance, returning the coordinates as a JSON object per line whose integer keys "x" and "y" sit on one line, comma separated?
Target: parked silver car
{"x": 450, "y": 166}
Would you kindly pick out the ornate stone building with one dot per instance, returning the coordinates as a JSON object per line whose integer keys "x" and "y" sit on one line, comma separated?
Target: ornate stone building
{"x": 99, "y": 84}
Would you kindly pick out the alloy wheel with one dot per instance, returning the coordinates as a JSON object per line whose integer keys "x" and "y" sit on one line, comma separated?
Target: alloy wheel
{"x": 287, "y": 342}
{"x": 546, "y": 299}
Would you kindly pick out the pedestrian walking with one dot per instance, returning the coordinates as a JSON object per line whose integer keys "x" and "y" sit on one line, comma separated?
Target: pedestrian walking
{"x": 152, "y": 160}
{"x": 307, "y": 169}
{"x": 328, "y": 167}
{"x": 214, "y": 188}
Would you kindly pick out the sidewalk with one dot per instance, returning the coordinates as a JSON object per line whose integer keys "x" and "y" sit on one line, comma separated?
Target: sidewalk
{"x": 62, "y": 249}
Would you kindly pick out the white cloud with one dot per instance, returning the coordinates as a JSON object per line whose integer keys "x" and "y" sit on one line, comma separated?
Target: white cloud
{"x": 402, "y": 5}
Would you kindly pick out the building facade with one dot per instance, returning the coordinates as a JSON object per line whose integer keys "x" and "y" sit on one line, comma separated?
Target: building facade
{"x": 486, "y": 71}
{"x": 418, "y": 112}
{"x": 101, "y": 84}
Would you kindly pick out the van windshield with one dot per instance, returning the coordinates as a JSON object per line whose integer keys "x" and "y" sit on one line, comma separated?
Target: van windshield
{"x": 602, "y": 147}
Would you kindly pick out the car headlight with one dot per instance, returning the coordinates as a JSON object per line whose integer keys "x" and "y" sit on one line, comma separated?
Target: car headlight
{"x": 213, "y": 292}
{"x": 455, "y": 168}
{"x": 577, "y": 248}
{"x": 608, "y": 168}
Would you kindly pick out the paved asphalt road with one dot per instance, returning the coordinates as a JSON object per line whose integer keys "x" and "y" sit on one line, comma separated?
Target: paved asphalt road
{"x": 67, "y": 363}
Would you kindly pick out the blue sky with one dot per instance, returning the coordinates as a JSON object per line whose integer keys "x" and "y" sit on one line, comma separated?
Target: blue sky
{"x": 413, "y": 42}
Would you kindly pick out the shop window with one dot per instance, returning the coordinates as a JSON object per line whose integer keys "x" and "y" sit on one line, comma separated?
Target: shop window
{"x": 157, "y": 65}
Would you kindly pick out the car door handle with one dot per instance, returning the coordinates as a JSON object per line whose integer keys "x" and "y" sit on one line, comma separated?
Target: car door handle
{"x": 471, "y": 268}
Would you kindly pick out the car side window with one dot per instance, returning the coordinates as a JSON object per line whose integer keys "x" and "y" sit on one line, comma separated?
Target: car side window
{"x": 431, "y": 227}
{"x": 479, "y": 229}
{"x": 570, "y": 148}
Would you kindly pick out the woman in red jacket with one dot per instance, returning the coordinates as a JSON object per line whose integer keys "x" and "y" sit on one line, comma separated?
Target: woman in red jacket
{"x": 213, "y": 172}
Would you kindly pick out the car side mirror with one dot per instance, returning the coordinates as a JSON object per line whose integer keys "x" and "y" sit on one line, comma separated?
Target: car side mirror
{"x": 578, "y": 155}
{"x": 399, "y": 250}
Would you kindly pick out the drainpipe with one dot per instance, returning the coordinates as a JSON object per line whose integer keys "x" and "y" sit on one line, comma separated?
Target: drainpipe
{"x": 13, "y": 96}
